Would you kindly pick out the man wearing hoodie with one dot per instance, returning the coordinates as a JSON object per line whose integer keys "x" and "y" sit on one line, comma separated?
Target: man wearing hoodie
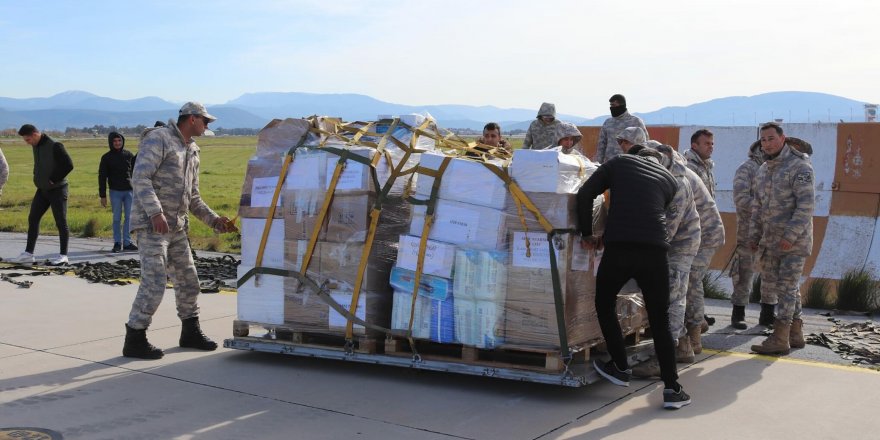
{"x": 569, "y": 137}
{"x": 52, "y": 164}
{"x": 542, "y": 132}
{"x": 115, "y": 171}
{"x": 636, "y": 246}
{"x": 619, "y": 120}
{"x": 166, "y": 189}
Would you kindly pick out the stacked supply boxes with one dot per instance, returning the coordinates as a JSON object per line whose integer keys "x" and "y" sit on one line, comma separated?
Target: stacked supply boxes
{"x": 550, "y": 180}
{"x": 466, "y": 245}
{"x": 338, "y": 236}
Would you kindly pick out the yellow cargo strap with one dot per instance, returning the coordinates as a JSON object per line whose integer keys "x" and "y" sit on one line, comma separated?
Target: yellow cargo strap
{"x": 322, "y": 214}
{"x": 365, "y": 257}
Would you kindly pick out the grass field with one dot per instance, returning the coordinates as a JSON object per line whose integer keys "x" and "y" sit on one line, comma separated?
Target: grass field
{"x": 223, "y": 164}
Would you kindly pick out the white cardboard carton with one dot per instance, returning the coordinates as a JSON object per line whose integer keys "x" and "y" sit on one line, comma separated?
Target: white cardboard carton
{"x": 252, "y": 233}
{"x": 476, "y": 227}
{"x": 439, "y": 257}
{"x": 550, "y": 171}
{"x": 464, "y": 180}
{"x": 264, "y": 304}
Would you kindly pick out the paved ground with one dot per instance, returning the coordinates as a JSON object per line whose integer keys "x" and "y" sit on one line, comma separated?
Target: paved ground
{"x": 61, "y": 369}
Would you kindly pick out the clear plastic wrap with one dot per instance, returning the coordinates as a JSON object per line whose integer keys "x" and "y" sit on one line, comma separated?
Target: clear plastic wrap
{"x": 486, "y": 278}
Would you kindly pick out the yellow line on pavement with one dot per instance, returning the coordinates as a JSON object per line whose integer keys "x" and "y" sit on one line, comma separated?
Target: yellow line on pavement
{"x": 793, "y": 361}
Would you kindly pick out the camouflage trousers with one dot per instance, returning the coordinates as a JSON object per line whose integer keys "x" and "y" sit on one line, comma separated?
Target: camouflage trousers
{"x": 695, "y": 309}
{"x": 164, "y": 255}
{"x": 678, "y": 288}
{"x": 781, "y": 277}
{"x": 742, "y": 273}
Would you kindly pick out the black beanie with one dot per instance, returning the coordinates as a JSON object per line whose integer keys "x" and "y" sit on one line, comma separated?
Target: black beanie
{"x": 619, "y": 98}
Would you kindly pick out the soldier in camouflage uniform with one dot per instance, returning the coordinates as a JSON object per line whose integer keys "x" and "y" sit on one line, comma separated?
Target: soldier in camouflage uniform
{"x": 711, "y": 238}
{"x": 165, "y": 182}
{"x": 699, "y": 157}
{"x": 742, "y": 271}
{"x": 683, "y": 233}
{"x": 781, "y": 233}
{"x": 619, "y": 120}
{"x": 543, "y": 132}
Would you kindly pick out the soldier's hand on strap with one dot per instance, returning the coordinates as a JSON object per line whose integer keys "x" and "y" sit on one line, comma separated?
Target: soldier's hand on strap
{"x": 784, "y": 245}
{"x": 160, "y": 224}
{"x": 225, "y": 224}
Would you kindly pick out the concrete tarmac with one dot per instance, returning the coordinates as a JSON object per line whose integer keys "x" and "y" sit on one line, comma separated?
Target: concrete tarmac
{"x": 61, "y": 369}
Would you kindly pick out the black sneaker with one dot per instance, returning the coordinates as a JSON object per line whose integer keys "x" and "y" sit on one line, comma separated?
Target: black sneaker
{"x": 609, "y": 371}
{"x": 117, "y": 247}
{"x": 675, "y": 400}
{"x": 130, "y": 247}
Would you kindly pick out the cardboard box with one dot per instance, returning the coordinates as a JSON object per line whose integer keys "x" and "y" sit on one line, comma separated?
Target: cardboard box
{"x": 251, "y": 236}
{"x": 276, "y": 138}
{"x": 559, "y": 209}
{"x": 433, "y": 319}
{"x": 347, "y": 220}
{"x": 430, "y": 286}
{"x": 260, "y": 180}
{"x": 464, "y": 181}
{"x": 263, "y": 303}
{"x": 471, "y": 226}
{"x": 531, "y": 250}
{"x": 439, "y": 257}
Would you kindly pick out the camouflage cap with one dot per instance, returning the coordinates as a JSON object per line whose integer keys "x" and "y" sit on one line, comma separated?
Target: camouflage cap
{"x": 196, "y": 108}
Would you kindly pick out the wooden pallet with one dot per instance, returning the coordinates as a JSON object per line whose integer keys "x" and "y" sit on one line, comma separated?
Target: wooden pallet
{"x": 508, "y": 356}
{"x": 280, "y": 333}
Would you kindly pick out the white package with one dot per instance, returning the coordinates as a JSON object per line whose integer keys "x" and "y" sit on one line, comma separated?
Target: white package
{"x": 480, "y": 275}
{"x": 264, "y": 304}
{"x": 463, "y": 180}
{"x": 252, "y": 233}
{"x": 476, "y": 227}
{"x": 439, "y": 257}
{"x": 550, "y": 171}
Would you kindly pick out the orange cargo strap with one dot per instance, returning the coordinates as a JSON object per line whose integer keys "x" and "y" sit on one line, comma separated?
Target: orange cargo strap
{"x": 322, "y": 214}
{"x": 288, "y": 159}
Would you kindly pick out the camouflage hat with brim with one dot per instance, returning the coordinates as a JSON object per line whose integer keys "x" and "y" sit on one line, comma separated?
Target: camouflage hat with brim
{"x": 196, "y": 108}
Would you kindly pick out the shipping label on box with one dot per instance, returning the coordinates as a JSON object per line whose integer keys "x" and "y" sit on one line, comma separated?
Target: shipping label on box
{"x": 473, "y": 226}
{"x": 535, "y": 253}
{"x": 439, "y": 257}
{"x": 307, "y": 171}
{"x": 260, "y": 180}
{"x": 262, "y": 191}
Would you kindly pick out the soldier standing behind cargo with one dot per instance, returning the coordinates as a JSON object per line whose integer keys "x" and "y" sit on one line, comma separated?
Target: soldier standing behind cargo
{"x": 115, "y": 171}
{"x": 491, "y": 137}
{"x": 742, "y": 271}
{"x": 542, "y": 132}
{"x": 52, "y": 164}
{"x": 635, "y": 247}
{"x": 166, "y": 188}
{"x": 569, "y": 136}
{"x": 619, "y": 120}
{"x": 781, "y": 232}
{"x": 699, "y": 157}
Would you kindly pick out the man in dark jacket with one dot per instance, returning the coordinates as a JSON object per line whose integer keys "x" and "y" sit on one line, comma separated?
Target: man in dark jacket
{"x": 52, "y": 164}
{"x": 115, "y": 170}
{"x": 635, "y": 247}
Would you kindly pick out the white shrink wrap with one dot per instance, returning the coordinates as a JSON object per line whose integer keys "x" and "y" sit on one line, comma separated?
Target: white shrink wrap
{"x": 476, "y": 227}
{"x": 550, "y": 171}
{"x": 464, "y": 180}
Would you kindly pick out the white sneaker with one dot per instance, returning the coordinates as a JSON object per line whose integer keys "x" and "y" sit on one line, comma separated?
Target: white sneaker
{"x": 59, "y": 260}
{"x": 25, "y": 257}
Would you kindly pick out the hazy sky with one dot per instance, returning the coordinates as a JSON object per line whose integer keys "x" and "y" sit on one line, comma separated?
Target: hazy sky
{"x": 503, "y": 53}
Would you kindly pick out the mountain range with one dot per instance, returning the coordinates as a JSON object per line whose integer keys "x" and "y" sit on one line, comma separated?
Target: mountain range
{"x": 253, "y": 110}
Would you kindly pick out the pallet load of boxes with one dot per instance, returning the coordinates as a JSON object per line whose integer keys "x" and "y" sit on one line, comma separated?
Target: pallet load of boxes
{"x": 393, "y": 237}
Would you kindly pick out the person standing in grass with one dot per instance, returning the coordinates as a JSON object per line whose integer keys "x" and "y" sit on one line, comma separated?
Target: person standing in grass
{"x": 4, "y": 171}
{"x": 52, "y": 164}
{"x": 115, "y": 171}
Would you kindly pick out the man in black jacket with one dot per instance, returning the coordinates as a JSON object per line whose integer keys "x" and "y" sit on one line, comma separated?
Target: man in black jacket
{"x": 115, "y": 169}
{"x": 635, "y": 247}
{"x": 52, "y": 164}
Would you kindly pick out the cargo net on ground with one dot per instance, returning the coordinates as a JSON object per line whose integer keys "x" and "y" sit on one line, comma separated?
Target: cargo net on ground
{"x": 395, "y": 236}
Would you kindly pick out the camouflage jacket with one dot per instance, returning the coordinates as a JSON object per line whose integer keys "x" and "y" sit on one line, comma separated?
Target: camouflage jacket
{"x": 607, "y": 147}
{"x": 542, "y": 135}
{"x": 744, "y": 193}
{"x": 165, "y": 180}
{"x": 783, "y": 205}
{"x": 682, "y": 222}
{"x": 711, "y": 226}
{"x": 703, "y": 168}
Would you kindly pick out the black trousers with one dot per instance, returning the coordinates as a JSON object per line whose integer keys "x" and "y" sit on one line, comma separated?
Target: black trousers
{"x": 649, "y": 266}
{"x": 43, "y": 200}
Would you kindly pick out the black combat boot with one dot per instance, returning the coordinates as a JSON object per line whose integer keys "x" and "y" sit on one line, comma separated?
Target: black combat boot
{"x": 191, "y": 336}
{"x": 768, "y": 315}
{"x": 136, "y": 345}
{"x": 738, "y": 318}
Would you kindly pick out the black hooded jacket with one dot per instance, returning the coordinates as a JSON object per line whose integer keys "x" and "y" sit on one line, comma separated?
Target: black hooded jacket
{"x": 641, "y": 189}
{"x": 115, "y": 167}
